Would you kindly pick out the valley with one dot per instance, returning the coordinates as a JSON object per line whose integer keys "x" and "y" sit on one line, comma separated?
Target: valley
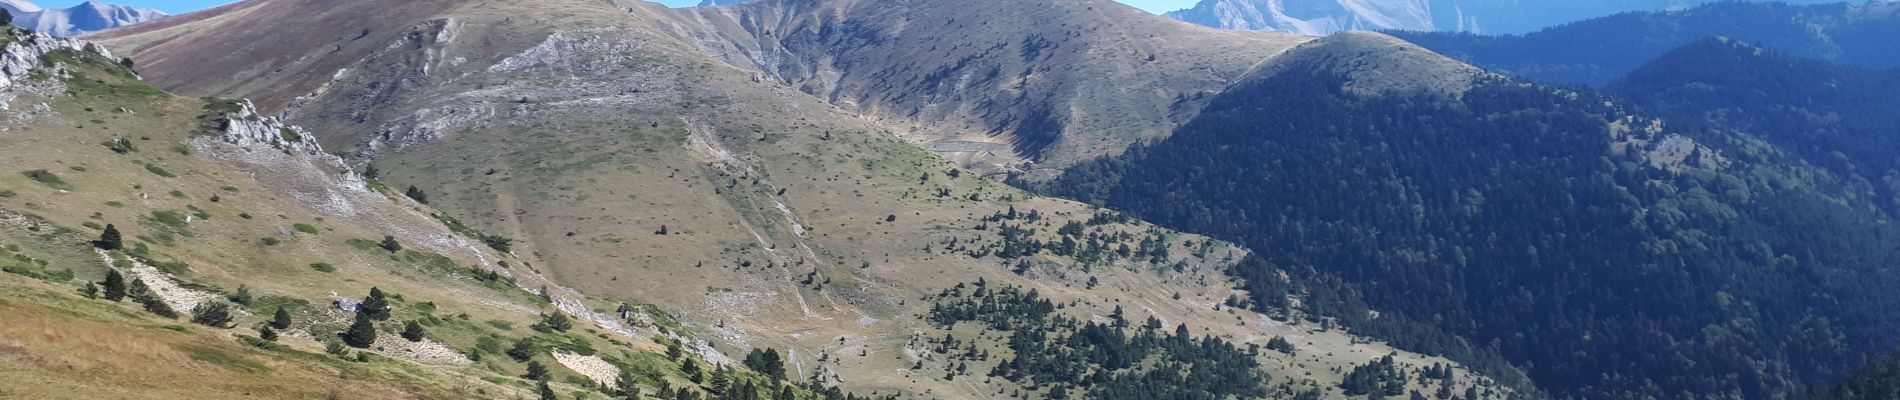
{"x": 888, "y": 199}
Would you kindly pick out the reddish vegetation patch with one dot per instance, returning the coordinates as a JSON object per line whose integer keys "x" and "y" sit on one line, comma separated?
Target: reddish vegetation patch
{"x": 241, "y": 50}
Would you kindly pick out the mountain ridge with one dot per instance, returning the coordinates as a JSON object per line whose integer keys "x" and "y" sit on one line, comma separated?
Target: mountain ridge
{"x": 625, "y": 161}
{"x": 1597, "y": 51}
{"x": 1323, "y": 17}
{"x": 80, "y": 19}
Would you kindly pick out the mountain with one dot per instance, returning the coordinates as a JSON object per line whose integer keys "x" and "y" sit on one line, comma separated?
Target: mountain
{"x": 1314, "y": 17}
{"x": 79, "y": 19}
{"x": 1084, "y": 78}
{"x": 614, "y": 149}
{"x": 708, "y": 3}
{"x": 1830, "y": 116}
{"x": 1597, "y": 51}
{"x": 1599, "y": 242}
{"x": 1498, "y": 17}
{"x": 1010, "y": 86}
{"x": 215, "y": 220}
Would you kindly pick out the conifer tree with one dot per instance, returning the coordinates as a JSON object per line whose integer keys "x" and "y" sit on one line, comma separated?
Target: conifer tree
{"x": 214, "y": 314}
{"x": 523, "y": 350}
{"x": 389, "y": 244}
{"x": 91, "y": 291}
{"x": 629, "y": 387}
{"x": 110, "y": 239}
{"x": 267, "y": 333}
{"x": 281, "y": 320}
{"x": 376, "y": 306}
{"x": 536, "y": 371}
{"x": 362, "y": 333}
{"x": 144, "y": 296}
{"x": 243, "y": 295}
{"x": 547, "y": 393}
{"x": 416, "y": 194}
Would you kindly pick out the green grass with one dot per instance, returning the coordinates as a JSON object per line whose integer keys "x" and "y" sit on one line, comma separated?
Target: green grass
{"x": 159, "y": 171}
{"x": 266, "y": 306}
{"x": 305, "y": 228}
{"x": 220, "y": 358}
{"x": 48, "y": 178}
{"x": 323, "y": 267}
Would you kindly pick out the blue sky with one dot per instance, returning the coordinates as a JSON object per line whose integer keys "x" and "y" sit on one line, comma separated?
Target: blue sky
{"x": 183, "y": 6}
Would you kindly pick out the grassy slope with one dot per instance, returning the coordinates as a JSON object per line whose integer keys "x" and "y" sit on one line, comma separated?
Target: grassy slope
{"x": 61, "y": 345}
{"x": 583, "y": 159}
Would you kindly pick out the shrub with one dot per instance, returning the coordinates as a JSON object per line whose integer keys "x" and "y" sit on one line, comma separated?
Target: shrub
{"x": 412, "y": 331}
{"x": 155, "y": 170}
{"x": 323, "y": 267}
{"x": 47, "y": 178}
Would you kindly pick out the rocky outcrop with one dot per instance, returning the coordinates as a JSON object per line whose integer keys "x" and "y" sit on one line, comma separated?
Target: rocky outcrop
{"x": 28, "y": 52}
{"x": 247, "y": 128}
{"x": 593, "y": 367}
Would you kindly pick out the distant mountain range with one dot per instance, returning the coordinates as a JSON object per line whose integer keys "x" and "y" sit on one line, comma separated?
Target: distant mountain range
{"x": 1597, "y": 51}
{"x": 1322, "y": 17}
{"x": 80, "y": 19}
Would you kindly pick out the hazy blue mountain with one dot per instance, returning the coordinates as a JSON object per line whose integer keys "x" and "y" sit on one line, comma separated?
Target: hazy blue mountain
{"x": 1321, "y": 17}
{"x": 1596, "y": 51}
{"x": 76, "y": 20}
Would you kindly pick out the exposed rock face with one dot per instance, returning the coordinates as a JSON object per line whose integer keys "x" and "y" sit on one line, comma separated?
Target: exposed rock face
{"x": 77, "y": 20}
{"x": 1311, "y": 17}
{"x": 998, "y": 85}
{"x": 21, "y": 57}
{"x": 593, "y": 367}
{"x": 246, "y": 128}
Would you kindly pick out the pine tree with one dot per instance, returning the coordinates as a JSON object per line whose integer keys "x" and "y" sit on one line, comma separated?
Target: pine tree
{"x": 547, "y": 393}
{"x": 110, "y": 240}
{"x": 673, "y": 351}
{"x": 523, "y": 350}
{"x": 281, "y": 320}
{"x": 554, "y": 322}
{"x": 389, "y": 244}
{"x": 362, "y": 333}
{"x": 629, "y": 387}
{"x": 267, "y": 333}
{"x": 376, "y": 306}
{"x": 144, "y": 296}
{"x": 416, "y": 194}
{"x": 536, "y": 371}
{"x": 691, "y": 368}
{"x": 212, "y": 313}
{"x": 91, "y": 291}
{"x": 412, "y": 331}
{"x": 114, "y": 285}
{"x": 243, "y": 295}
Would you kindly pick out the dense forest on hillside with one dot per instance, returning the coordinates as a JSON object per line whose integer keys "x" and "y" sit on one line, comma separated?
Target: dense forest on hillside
{"x": 1830, "y": 116}
{"x": 1597, "y": 51}
{"x": 1064, "y": 358}
{"x": 1503, "y": 222}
